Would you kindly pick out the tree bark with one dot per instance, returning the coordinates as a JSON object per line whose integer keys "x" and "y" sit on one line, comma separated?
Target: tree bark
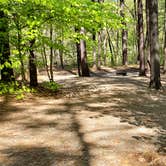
{"x": 124, "y": 35}
{"x": 154, "y": 45}
{"x": 51, "y": 54}
{"x": 32, "y": 66}
{"x": 83, "y": 69}
{"x": 141, "y": 39}
{"x": 147, "y": 40}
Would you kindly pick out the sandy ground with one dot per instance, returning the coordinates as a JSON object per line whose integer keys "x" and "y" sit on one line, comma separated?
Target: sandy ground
{"x": 105, "y": 120}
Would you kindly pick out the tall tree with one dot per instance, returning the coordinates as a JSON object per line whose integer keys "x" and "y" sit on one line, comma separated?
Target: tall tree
{"x": 154, "y": 45}
{"x": 124, "y": 35}
{"x": 7, "y": 74}
{"x": 141, "y": 38}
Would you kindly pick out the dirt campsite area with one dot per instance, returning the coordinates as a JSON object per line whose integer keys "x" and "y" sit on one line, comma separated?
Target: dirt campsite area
{"x": 108, "y": 119}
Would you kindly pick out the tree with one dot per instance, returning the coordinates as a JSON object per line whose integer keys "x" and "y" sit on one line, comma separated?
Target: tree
{"x": 154, "y": 45}
{"x": 124, "y": 35}
{"x": 32, "y": 65}
{"x": 83, "y": 68}
{"x": 7, "y": 74}
{"x": 141, "y": 38}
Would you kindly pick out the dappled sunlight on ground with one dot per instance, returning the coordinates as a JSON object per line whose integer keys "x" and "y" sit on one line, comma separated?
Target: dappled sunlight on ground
{"x": 97, "y": 121}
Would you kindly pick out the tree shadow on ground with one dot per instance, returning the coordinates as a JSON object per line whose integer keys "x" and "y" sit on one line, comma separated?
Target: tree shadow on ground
{"x": 139, "y": 108}
{"x": 6, "y": 108}
{"x": 38, "y": 156}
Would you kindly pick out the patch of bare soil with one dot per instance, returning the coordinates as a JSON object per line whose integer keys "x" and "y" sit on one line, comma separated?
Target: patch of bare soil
{"x": 104, "y": 120}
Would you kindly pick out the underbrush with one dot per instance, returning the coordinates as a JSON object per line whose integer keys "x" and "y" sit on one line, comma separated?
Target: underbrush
{"x": 51, "y": 86}
{"x": 19, "y": 90}
{"x": 15, "y": 88}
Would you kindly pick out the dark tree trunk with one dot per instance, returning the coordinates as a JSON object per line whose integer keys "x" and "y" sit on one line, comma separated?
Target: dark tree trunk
{"x": 154, "y": 45}
{"x": 124, "y": 36}
{"x": 141, "y": 38}
{"x": 7, "y": 74}
{"x": 78, "y": 58}
{"x": 32, "y": 65}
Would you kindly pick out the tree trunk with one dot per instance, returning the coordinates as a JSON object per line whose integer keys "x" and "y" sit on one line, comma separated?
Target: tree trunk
{"x": 124, "y": 36}
{"x": 105, "y": 48}
{"x": 147, "y": 40}
{"x": 99, "y": 51}
{"x": 83, "y": 69}
{"x": 111, "y": 48}
{"x": 94, "y": 52}
{"x": 51, "y": 54}
{"x": 7, "y": 74}
{"x": 45, "y": 62}
{"x": 78, "y": 58}
{"x": 32, "y": 65}
{"x": 154, "y": 45}
{"x": 141, "y": 38}
{"x": 61, "y": 58}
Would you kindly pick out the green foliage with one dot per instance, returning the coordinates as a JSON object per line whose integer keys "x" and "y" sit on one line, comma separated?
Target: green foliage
{"x": 14, "y": 88}
{"x": 53, "y": 86}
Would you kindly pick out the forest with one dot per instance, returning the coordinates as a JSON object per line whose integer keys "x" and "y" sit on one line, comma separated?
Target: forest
{"x": 83, "y": 82}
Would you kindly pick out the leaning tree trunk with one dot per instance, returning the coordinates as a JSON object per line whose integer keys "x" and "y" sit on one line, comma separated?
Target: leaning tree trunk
{"x": 124, "y": 36}
{"x": 154, "y": 45}
{"x": 32, "y": 65}
{"x": 7, "y": 74}
{"x": 141, "y": 38}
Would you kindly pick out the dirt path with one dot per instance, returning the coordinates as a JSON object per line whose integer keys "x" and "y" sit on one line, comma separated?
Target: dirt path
{"x": 98, "y": 121}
